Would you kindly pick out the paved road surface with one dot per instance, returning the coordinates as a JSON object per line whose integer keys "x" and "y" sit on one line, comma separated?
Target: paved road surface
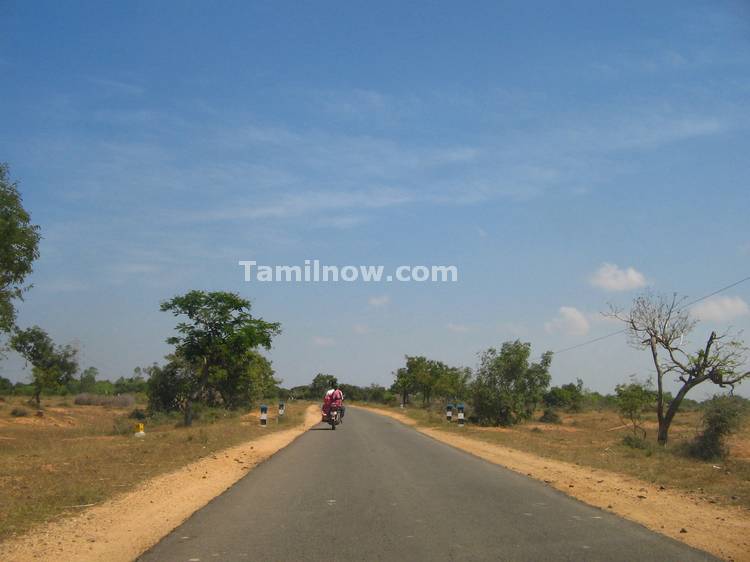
{"x": 377, "y": 490}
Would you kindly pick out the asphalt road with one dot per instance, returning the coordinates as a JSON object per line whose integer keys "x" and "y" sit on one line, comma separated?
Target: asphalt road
{"x": 377, "y": 490}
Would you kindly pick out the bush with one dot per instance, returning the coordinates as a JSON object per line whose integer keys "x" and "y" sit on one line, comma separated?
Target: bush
{"x": 635, "y": 442}
{"x": 19, "y": 412}
{"x": 119, "y": 401}
{"x": 722, "y": 416}
{"x": 137, "y": 414}
{"x": 550, "y": 416}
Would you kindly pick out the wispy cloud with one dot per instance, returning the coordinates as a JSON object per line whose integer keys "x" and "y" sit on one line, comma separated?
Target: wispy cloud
{"x": 323, "y": 341}
{"x": 361, "y": 329}
{"x": 569, "y": 321}
{"x": 612, "y": 278}
{"x": 720, "y": 309}
{"x": 457, "y": 328}
{"x": 379, "y": 301}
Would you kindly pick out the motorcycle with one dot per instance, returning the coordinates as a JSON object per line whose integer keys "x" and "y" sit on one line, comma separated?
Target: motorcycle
{"x": 333, "y": 417}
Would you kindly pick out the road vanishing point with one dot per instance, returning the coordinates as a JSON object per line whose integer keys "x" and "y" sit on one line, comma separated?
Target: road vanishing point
{"x": 375, "y": 489}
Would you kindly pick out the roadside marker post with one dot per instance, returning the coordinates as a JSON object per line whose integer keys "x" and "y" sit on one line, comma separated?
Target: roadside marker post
{"x": 282, "y": 409}
{"x": 139, "y": 430}
{"x": 263, "y": 414}
{"x": 460, "y": 415}
{"x": 449, "y": 412}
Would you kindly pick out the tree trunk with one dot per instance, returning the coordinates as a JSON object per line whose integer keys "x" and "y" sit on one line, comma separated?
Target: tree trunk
{"x": 188, "y": 420}
{"x": 38, "y": 398}
{"x": 666, "y": 421}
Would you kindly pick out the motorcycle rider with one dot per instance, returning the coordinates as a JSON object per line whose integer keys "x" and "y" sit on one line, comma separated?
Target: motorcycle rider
{"x": 337, "y": 398}
{"x": 333, "y": 397}
{"x": 327, "y": 401}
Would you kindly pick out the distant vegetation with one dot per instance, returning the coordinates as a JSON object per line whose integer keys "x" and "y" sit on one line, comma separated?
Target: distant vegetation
{"x": 216, "y": 361}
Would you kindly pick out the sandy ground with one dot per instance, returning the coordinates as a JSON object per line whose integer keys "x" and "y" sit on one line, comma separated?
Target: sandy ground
{"x": 722, "y": 531}
{"x": 124, "y": 527}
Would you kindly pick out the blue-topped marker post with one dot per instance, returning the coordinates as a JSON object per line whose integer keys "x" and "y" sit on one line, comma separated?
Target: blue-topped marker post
{"x": 263, "y": 414}
{"x": 282, "y": 409}
{"x": 460, "y": 415}
{"x": 449, "y": 412}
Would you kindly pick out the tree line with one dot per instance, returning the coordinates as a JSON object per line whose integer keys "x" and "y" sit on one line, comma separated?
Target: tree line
{"x": 507, "y": 386}
{"x": 217, "y": 355}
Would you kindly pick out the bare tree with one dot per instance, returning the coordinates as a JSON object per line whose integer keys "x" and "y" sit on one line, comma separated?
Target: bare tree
{"x": 660, "y": 324}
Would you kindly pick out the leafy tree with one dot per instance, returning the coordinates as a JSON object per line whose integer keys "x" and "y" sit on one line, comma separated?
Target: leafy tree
{"x": 242, "y": 378}
{"x": 219, "y": 326}
{"x": 322, "y": 383}
{"x": 569, "y": 396}
{"x": 507, "y": 387}
{"x": 19, "y": 247}
{"x": 424, "y": 375}
{"x": 660, "y": 324}
{"x": 130, "y": 385}
{"x": 51, "y": 365}
{"x": 632, "y": 400}
{"x": 375, "y": 393}
{"x": 168, "y": 387}
{"x": 404, "y": 384}
{"x": 6, "y": 387}
{"x": 452, "y": 383}
{"x": 88, "y": 380}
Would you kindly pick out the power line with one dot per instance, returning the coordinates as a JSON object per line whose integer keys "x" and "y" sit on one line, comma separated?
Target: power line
{"x": 600, "y": 338}
{"x": 696, "y": 301}
{"x": 622, "y": 331}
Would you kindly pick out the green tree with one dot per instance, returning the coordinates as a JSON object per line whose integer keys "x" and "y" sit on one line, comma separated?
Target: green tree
{"x": 507, "y": 387}
{"x": 6, "y": 387}
{"x": 632, "y": 400}
{"x": 322, "y": 383}
{"x": 404, "y": 384}
{"x": 242, "y": 378}
{"x": 51, "y": 365}
{"x": 219, "y": 326}
{"x": 168, "y": 387}
{"x": 569, "y": 396}
{"x": 88, "y": 379}
{"x": 19, "y": 247}
{"x": 452, "y": 383}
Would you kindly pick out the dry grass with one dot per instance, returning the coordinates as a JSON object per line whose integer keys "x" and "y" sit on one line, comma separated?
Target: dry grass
{"x": 71, "y": 456}
{"x": 588, "y": 439}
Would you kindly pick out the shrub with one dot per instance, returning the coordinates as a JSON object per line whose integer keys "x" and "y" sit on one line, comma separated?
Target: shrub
{"x": 119, "y": 401}
{"x": 550, "y": 416}
{"x": 137, "y": 414}
{"x": 19, "y": 412}
{"x": 722, "y": 416}
{"x": 635, "y": 442}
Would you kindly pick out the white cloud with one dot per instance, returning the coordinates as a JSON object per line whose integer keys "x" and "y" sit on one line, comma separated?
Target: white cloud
{"x": 322, "y": 341}
{"x": 569, "y": 321}
{"x": 458, "y": 328}
{"x": 379, "y": 301}
{"x": 361, "y": 329}
{"x": 611, "y": 278}
{"x": 720, "y": 309}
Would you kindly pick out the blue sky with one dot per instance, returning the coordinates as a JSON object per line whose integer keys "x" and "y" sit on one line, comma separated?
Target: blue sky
{"x": 528, "y": 143}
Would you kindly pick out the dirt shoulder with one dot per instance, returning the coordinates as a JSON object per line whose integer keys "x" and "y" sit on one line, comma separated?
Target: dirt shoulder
{"x": 124, "y": 527}
{"x": 722, "y": 531}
